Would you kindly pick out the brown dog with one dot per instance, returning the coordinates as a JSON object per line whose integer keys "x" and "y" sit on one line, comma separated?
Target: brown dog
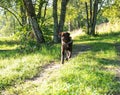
{"x": 66, "y": 46}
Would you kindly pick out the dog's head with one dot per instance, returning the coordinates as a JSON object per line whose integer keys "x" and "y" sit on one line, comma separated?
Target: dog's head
{"x": 65, "y": 36}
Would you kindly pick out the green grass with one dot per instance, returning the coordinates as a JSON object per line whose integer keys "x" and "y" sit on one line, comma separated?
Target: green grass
{"x": 89, "y": 72}
{"x": 16, "y": 66}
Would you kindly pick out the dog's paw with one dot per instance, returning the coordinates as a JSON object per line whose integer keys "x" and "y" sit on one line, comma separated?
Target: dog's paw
{"x": 66, "y": 59}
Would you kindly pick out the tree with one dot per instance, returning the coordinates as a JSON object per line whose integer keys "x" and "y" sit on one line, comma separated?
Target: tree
{"x": 10, "y": 7}
{"x": 93, "y": 13}
{"x": 58, "y": 25}
{"x": 111, "y": 11}
{"x": 87, "y": 18}
{"x": 33, "y": 20}
{"x": 23, "y": 14}
{"x": 55, "y": 19}
{"x": 62, "y": 15}
{"x": 91, "y": 21}
{"x": 42, "y": 4}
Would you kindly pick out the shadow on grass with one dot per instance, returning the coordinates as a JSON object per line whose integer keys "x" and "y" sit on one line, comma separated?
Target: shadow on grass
{"x": 9, "y": 53}
{"x": 80, "y": 48}
{"x": 93, "y": 46}
{"x": 44, "y": 50}
{"x": 10, "y": 43}
{"x": 106, "y": 61}
{"x": 101, "y": 46}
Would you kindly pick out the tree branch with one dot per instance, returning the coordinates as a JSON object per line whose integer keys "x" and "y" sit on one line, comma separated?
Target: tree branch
{"x": 12, "y": 14}
{"x": 101, "y": 5}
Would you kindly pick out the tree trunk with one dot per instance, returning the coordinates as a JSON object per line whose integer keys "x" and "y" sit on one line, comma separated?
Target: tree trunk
{"x": 91, "y": 16}
{"x": 56, "y": 38}
{"x": 44, "y": 15}
{"x": 62, "y": 15}
{"x": 58, "y": 26}
{"x": 87, "y": 18}
{"x": 23, "y": 15}
{"x": 33, "y": 21}
{"x": 94, "y": 17}
{"x": 41, "y": 2}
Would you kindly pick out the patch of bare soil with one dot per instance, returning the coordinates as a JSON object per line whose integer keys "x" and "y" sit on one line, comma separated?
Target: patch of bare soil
{"x": 46, "y": 72}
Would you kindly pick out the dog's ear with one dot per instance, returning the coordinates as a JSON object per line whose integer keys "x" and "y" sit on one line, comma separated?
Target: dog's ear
{"x": 68, "y": 34}
{"x": 60, "y": 33}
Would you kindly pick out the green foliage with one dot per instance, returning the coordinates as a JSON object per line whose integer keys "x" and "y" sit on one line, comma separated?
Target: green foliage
{"x": 112, "y": 11}
{"x": 6, "y": 27}
{"x": 27, "y": 39}
{"x": 48, "y": 33}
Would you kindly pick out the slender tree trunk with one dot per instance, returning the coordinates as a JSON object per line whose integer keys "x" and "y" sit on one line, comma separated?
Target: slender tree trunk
{"x": 94, "y": 17}
{"x": 44, "y": 15}
{"x": 87, "y": 18}
{"x": 23, "y": 15}
{"x": 33, "y": 21}
{"x": 58, "y": 26}
{"x": 91, "y": 16}
{"x": 56, "y": 38}
{"x": 41, "y": 2}
{"x": 62, "y": 15}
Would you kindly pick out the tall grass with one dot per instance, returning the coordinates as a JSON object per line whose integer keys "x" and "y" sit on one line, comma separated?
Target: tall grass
{"x": 108, "y": 27}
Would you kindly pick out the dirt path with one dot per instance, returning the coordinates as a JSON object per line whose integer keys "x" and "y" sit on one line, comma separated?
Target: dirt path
{"x": 48, "y": 69}
{"x": 46, "y": 72}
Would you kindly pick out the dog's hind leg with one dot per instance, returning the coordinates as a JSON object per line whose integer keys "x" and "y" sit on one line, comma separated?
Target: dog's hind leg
{"x": 67, "y": 55}
{"x": 62, "y": 56}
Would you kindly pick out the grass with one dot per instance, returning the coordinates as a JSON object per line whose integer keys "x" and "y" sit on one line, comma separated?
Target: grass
{"x": 16, "y": 66}
{"x": 89, "y": 72}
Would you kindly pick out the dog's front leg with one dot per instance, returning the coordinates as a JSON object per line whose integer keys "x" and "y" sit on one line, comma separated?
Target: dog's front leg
{"x": 62, "y": 55}
{"x": 70, "y": 53}
{"x": 70, "y": 50}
